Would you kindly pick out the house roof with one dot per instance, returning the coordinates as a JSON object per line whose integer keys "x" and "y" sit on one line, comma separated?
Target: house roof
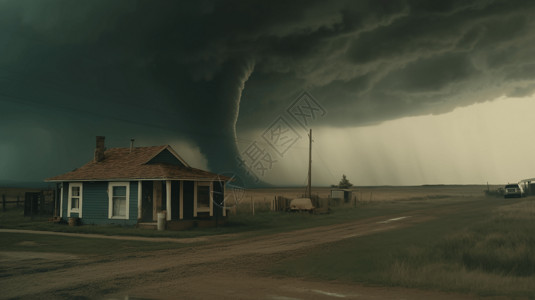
{"x": 142, "y": 163}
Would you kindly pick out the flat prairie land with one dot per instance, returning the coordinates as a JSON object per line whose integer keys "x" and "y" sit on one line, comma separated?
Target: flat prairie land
{"x": 263, "y": 197}
{"x": 430, "y": 242}
{"x": 380, "y": 193}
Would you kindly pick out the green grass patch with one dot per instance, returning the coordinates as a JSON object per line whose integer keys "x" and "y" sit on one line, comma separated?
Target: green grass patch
{"x": 488, "y": 251}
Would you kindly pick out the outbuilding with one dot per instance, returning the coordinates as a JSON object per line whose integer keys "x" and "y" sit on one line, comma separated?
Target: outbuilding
{"x": 342, "y": 194}
{"x": 133, "y": 185}
{"x": 528, "y": 185}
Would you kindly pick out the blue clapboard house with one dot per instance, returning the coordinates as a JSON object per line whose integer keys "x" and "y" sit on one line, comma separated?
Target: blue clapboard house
{"x": 130, "y": 186}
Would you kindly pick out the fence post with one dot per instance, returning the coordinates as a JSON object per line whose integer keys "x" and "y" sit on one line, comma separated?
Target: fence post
{"x": 56, "y": 203}
{"x": 31, "y": 208}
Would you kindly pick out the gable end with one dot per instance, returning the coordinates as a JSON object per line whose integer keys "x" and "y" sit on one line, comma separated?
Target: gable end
{"x": 166, "y": 157}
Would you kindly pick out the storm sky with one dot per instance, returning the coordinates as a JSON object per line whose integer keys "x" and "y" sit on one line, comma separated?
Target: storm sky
{"x": 396, "y": 92}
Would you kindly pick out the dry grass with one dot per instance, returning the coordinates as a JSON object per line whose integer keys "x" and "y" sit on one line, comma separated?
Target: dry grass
{"x": 496, "y": 257}
{"x": 457, "y": 278}
{"x": 262, "y": 198}
{"x": 487, "y": 250}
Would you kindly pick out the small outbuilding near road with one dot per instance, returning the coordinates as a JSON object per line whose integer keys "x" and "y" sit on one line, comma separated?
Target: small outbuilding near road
{"x": 343, "y": 194}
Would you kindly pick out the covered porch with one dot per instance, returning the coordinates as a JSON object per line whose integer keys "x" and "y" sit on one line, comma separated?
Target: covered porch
{"x": 186, "y": 203}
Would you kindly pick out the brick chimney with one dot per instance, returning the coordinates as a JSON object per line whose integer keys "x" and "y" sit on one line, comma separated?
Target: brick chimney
{"x": 99, "y": 149}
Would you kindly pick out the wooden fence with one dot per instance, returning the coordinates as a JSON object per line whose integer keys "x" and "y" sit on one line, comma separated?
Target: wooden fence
{"x": 34, "y": 202}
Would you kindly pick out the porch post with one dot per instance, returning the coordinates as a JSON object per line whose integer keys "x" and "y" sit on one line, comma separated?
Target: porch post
{"x": 168, "y": 199}
{"x": 139, "y": 211}
{"x": 61, "y": 201}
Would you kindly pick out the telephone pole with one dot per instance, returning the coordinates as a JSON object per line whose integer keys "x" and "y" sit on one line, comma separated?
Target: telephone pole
{"x": 309, "y": 187}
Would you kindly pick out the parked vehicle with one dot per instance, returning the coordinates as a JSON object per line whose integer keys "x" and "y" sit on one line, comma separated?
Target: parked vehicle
{"x": 513, "y": 190}
{"x": 301, "y": 204}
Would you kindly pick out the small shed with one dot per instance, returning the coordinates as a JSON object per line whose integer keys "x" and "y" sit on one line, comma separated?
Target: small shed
{"x": 342, "y": 194}
{"x": 528, "y": 185}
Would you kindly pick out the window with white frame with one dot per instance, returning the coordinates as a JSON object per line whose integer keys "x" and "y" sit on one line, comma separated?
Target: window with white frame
{"x": 75, "y": 199}
{"x": 118, "y": 193}
{"x": 204, "y": 196}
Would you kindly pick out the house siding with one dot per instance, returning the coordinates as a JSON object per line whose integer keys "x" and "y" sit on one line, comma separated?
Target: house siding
{"x": 132, "y": 218}
{"x": 95, "y": 204}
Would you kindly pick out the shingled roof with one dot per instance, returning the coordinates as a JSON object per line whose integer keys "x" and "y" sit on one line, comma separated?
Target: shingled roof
{"x": 139, "y": 163}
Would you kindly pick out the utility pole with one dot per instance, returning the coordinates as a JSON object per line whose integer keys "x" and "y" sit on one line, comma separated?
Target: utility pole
{"x": 309, "y": 188}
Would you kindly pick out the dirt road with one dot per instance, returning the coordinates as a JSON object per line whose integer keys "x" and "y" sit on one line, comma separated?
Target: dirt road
{"x": 224, "y": 269}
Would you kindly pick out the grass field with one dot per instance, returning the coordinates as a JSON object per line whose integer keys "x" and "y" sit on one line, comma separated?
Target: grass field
{"x": 488, "y": 252}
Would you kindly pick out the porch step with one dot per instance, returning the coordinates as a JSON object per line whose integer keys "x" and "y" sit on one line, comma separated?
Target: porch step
{"x": 148, "y": 225}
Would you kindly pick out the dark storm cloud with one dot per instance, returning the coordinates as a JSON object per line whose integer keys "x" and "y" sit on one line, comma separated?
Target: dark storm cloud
{"x": 193, "y": 70}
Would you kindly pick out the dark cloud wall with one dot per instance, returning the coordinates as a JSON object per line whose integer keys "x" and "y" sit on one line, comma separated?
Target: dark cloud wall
{"x": 194, "y": 70}
{"x": 393, "y": 59}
